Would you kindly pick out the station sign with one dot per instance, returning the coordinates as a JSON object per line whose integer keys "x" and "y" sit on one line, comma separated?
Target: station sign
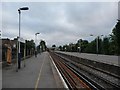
{"x": 21, "y": 40}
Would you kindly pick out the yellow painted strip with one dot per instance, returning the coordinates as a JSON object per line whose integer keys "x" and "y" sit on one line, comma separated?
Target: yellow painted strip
{"x": 37, "y": 82}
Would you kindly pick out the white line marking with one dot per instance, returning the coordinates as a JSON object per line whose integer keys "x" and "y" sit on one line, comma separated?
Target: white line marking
{"x": 36, "y": 85}
{"x": 63, "y": 81}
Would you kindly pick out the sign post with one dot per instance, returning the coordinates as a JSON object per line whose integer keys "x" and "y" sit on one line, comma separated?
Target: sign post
{"x": 19, "y": 55}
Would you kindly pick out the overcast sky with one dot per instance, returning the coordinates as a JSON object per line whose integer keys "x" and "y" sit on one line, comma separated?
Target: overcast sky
{"x": 59, "y": 23}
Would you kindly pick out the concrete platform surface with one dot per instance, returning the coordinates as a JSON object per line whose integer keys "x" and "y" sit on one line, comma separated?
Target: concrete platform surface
{"x": 38, "y": 73}
{"x": 108, "y": 59}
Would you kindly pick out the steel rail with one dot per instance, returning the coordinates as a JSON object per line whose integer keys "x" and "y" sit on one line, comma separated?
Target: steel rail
{"x": 97, "y": 85}
{"x": 73, "y": 80}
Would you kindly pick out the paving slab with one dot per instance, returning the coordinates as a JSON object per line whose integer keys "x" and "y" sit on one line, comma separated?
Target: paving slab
{"x": 38, "y": 73}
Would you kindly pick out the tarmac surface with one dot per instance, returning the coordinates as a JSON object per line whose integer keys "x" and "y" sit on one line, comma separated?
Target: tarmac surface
{"x": 38, "y": 73}
{"x": 108, "y": 59}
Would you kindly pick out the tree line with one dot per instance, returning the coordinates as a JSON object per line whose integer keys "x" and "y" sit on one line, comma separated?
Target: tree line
{"x": 40, "y": 48}
{"x": 109, "y": 45}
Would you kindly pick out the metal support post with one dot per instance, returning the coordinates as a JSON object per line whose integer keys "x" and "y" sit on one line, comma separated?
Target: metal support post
{"x": 19, "y": 54}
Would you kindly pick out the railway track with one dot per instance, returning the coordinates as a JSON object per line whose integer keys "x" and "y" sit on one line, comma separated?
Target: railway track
{"x": 73, "y": 81}
{"x": 102, "y": 67}
{"x": 85, "y": 73}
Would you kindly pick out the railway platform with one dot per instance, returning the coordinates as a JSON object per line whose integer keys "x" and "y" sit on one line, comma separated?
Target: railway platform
{"x": 107, "y": 59}
{"x": 38, "y": 73}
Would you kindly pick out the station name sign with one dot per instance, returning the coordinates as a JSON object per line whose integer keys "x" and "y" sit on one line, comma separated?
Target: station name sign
{"x": 21, "y": 40}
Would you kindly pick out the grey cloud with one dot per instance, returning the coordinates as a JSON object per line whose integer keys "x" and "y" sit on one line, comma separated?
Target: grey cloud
{"x": 60, "y": 23}
{"x": 94, "y": 16}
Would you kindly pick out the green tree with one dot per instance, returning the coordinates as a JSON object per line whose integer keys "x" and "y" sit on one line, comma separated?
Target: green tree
{"x": 65, "y": 48}
{"x": 91, "y": 47}
{"x": 43, "y": 45}
{"x": 105, "y": 45}
{"x": 60, "y": 48}
{"x": 84, "y": 44}
{"x": 54, "y": 45}
{"x": 112, "y": 45}
{"x": 116, "y": 36}
{"x": 72, "y": 47}
{"x": 30, "y": 46}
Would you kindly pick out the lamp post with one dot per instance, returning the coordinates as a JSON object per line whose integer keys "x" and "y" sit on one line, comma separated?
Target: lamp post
{"x": 97, "y": 46}
{"x": 19, "y": 54}
{"x": 40, "y": 49}
{"x": 79, "y": 49}
{"x": 65, "y": 49}
{"x": 0, "y": 34}
{"x": 80, "y": 46}
{"x": 36, "y": 41}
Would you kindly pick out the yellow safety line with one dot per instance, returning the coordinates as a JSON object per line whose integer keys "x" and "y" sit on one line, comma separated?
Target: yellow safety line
{"x": 37, "y": 82}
